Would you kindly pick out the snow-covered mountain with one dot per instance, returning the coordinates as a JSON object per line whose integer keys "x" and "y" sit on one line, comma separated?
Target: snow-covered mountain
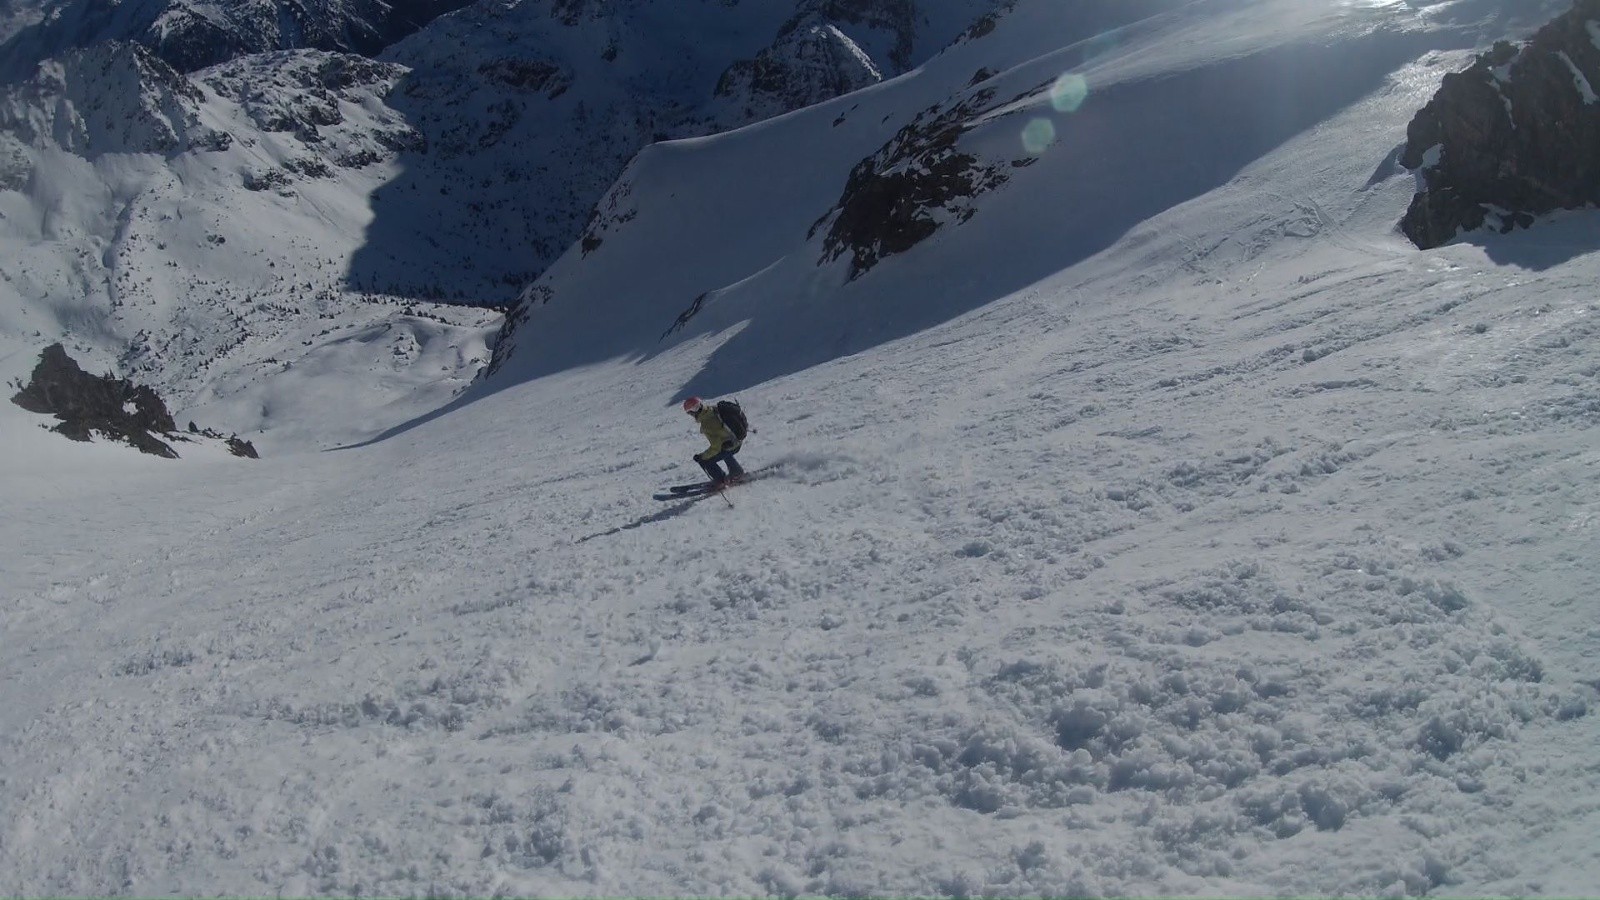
{"x": 1032, "y": 141}
{"x": 533, "y": 110}
{"x": 196, "y": 234}
{"x": 194, "y": 34}
{"x": 1138, "y": 513}
{"x": 211, "y": 232}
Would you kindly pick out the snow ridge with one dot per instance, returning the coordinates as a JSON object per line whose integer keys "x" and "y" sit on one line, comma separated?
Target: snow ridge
{"x": 293, "y": 188}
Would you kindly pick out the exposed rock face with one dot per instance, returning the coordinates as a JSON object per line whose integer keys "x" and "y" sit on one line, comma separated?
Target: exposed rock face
{"x": 915, "y": 184}
{"x": 528, "y": 75}
{"x": 572, "y": 12}
{"x": 111, "y": 407}
{"x": 16, "y": 165}
{"x": 194, "y": 34}
{"x": 110, "y": 98}
{"x": 809, "y": 63}
{"x": 897, "y": 17}
{"x": 1515, "y": 136}
{"x": 832, "y": 47}
{"x": 86, "y": 403}
{"x": 307, "y": 93}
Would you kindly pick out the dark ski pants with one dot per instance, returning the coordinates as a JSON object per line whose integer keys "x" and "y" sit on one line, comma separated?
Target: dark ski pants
{"x": 714, "y": 471}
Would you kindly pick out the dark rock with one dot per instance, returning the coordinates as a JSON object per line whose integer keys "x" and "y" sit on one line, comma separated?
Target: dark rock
{"x": 899, "y": 196}
{"x": 1514, "y": 136}
{"x": 527, "y": 74}
{"x": 808, "y": 64}
{"x": 191, "y": 35}
{"x": 241, "y": 447}
{"x": 111, "y": 407}
{"x": 264, "y": 181}
{"x": 572, "y": 12}
{"x": 86, "y": 404}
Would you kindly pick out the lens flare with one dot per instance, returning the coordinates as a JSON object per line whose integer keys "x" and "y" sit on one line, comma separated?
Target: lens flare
{"x": 1069, "y": 92}
{"x": 1038, "y": 135}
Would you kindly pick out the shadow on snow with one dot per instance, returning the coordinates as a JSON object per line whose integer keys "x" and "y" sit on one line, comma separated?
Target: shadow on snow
{"x": 1136, "y": 150}
{"x": 1132, "y": 157}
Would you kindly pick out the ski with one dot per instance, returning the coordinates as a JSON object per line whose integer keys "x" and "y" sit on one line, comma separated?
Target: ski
{"x": 670, "y": 494}
{"x": 707, "y": 488}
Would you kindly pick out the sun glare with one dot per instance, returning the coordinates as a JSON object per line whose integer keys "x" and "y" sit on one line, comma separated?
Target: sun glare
{"x": 1038, "y": 135}
{"x": 1069, "y": 92}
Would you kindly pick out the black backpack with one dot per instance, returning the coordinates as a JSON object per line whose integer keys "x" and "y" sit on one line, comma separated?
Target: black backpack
{"x": 733, "y": 418}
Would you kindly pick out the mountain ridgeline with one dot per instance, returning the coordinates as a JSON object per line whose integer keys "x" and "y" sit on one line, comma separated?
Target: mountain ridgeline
{"x": 1032, "y": 137}
{"x": 190, "y": 35}
{"x": 217, "y": 195}
{"x": 209, "y": 193}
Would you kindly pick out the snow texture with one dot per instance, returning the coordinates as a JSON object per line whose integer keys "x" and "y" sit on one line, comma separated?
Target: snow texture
{"x": 1170, "y": 527}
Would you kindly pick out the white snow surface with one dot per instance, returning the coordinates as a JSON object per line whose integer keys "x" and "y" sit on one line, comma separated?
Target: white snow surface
{"x": 206, "y": 234}
{"x": 1242, "y": 550}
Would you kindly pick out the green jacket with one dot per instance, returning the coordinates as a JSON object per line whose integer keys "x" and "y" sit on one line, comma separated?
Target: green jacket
{"x": 717, "y": 434}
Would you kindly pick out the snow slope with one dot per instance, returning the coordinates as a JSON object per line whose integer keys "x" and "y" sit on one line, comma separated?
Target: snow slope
{"x": 151, "y": 223}
{"x": 1248, "y": 553}
{"x": 1142, "y": 118}
{"x": 208, "y": 232}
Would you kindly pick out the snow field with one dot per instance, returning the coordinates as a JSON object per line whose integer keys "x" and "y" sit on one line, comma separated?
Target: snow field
{"x": 1248, "y": 557}
{"x": 1131, "y": 603}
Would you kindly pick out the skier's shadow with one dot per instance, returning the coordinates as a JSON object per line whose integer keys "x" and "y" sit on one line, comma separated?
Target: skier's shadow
{"x": 671, "y": 512}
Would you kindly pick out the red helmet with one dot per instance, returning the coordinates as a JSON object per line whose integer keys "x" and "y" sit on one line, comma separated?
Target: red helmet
{"x": 691, "y": 405}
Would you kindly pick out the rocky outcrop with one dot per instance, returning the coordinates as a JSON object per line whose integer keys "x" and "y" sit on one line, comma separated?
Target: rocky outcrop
{"x": 822, "y": 52}
{"x": 1515, "y": 136}
{"x": 571, "y": 13}
{"x": 919, "y": 181}
{"x": 532, "y": 75}
{"x": 88, "y": 404}
{"x": 809, "y": 63}
{"x": 299, "y": 92}
{"x": 116, "y": 409}
{"x": 311, "y": 94}
{"x": 110, "y": 98}
{"x": 895, "y": 17}
{"x": 190, "y": 35}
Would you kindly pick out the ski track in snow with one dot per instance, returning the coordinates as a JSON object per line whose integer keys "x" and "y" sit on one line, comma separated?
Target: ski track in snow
{"x": 1270, "y": 594}
{"x": 1252, "y": 556}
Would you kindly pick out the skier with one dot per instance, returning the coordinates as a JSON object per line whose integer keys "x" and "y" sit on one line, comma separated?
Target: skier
{"x": 724, "y": 443}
